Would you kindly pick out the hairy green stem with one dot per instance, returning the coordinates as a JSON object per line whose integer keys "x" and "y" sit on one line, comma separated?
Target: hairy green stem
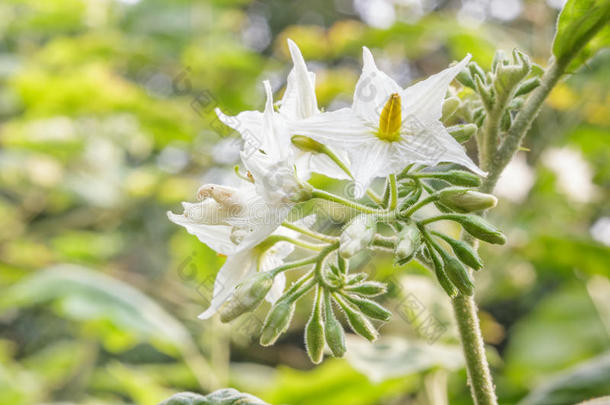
{"x": 351, "y": 204}
{"x": 307, "y": 232}
{"x": 479, "y": 376}
{"x": 481, "y": 384}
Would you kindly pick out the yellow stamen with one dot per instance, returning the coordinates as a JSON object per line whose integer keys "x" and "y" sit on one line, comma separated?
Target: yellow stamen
{"x": 390, "y": 120}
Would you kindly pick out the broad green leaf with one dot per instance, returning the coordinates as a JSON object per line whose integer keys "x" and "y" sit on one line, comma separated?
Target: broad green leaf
{"x": 584, "y": 381}
{"x": 227, "y": 396}
{"x": 576, "y": 27}
{"x": 392, "y": 357}
{"x": 564, "y": 329}
{"x": 88, "y": 296}
{"x": 335, "y": 382}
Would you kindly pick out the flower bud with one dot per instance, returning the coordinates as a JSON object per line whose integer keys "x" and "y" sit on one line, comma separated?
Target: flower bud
{"x": 498, "y": 59}
{"x": 307, "y": 144}
{"x": 480, "y": 229}
{"x": 465, "y": 79}
{"x": 314, "y": 332}
{"x": 277, "y": 321}
{"x": 464, "y": 252}
{"x": 487, "y": 96}
{"x": 409, "y": 242}
{"x": 476, "y": 71}
{"x": 462, "y": 133}
{"x": 247, "y": 296}
{"x": 457, "y": 273}
{"x": 368, "y": 288}
{"x": 369, "y": 308}
{"x": 527, "y": 86}
{"x": 458, "y": 178}
{"x": 450, "y": 106}
{"x": 333, "y": 330}
{"x": 358, "y": 235}
{"x": 464, "y": 200}
{"x": 439, "y": 271}
{"x": 357, "y": 321}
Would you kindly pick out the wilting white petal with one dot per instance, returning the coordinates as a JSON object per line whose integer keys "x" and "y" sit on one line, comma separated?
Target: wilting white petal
{"x": 373, "y": 89}
{"x": 217, "y": 237}
{"x": 236, "y": 268}
{"x": 299, "y": 100}
{"x": 424, "y": 99}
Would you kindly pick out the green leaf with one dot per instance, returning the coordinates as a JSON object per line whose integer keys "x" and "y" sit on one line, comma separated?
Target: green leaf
{"x": 393, "y": 357}
{"x": 227, "y": 396}
{"x": 586, "y": 380}
{"x": 84, "y": 295}
{"x": 578, "y": 27}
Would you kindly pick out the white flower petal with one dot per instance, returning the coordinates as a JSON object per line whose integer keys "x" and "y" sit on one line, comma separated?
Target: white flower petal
{"x": 430, "y": 147}
{"x": 373, "y": 89}
{"x": 370, "y": 160}
{"x": 424, "y": 99}
{"x": 249, "y": 124}
{"x": 340, "y": 129}
{"x": 307, "y": 163}
{"x": 236, "y": 268}
{"x": 279, "y": 284}
{"x": 299, "y": 99}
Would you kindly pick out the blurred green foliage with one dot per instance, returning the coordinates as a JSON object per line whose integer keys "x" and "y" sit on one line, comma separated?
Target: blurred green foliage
{"x": 107, "y": 122}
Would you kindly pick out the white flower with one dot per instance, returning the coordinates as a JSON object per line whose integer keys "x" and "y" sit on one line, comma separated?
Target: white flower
{"x": 242, "y": 265}
{"x": 299, "y": 102}
{"x": 233, "y": 222}
{"x": 230, "y": 220}
{"x": 268, "y": 154}
{"x": 388, "y": 127}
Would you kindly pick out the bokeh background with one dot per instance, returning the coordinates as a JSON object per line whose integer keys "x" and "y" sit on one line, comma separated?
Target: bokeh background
{"x": 106, "y": 123}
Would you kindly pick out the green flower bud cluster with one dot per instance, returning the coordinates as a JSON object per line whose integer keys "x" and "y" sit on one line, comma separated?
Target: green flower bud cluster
{"x": 449, "y": 258}
{"x": 509, "y": 80}
{"x": 350, "y": 293}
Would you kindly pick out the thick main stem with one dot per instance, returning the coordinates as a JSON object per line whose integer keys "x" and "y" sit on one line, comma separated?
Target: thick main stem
{"x": 479, "y": 376}
{"x": 465, "y": 310}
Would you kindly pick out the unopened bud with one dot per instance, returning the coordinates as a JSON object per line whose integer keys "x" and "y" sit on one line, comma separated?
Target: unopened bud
{"x": 480, "y": 229}
{"x": 333, "y": 330}
{"x": 458, "y": 178}
{"x": 462, "y": 133}
{"x": 358, "y": 322}
{"x": 498, "y": 59}
{"x": 487, "y": 96}
{"x": 465, "y": 200}
{"x": 307, "y": 144}
{"x": 466, "y": 253}
{"x": 368, "y": 288}
{"x": 358, "y": 235}
{"x": 465, "y": 79}
{"x": 370, "y": 308}
{"x": 450, "y": 106}
{"x": 314, "y": 332}
{"x": 476, "y": 71}
{"x": 527, "y": 86}
{"x": 409, "y": 242}
{"x": 247, "y": 296}
{"x": 277, "y": 321}
{"x": 457, "y": 273}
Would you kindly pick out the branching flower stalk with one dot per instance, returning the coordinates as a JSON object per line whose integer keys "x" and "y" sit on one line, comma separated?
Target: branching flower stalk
{"x": 411, "y": 138}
